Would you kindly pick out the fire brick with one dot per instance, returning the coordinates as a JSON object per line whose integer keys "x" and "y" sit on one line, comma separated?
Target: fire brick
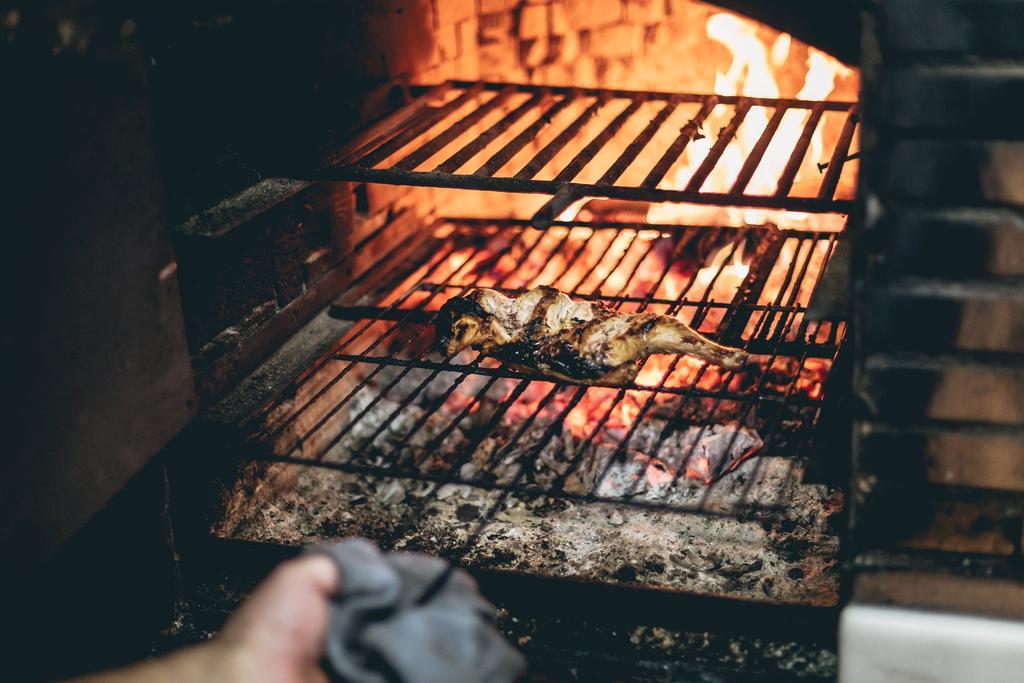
{"x": 987, "y": 27}
{"x": 533, "y": 21}
{"x": 620, "y": 40}
{"x": 951, "y": 243}
{"x": 948, "y": 456}
{"x": 495, "y": 6}
{"x": 399, "y": 37}
{"x": 450, "y": 12}
{"x": 467, "y": 66}
{"x": 1003, "y": 598}
{"x": 970, "y": 527}
{"x": 585, "y": 14}
{"x": 466, "y": 33}
{"x": 932, "y": 317}
{"x": 534, "y": 52}
{"x": 965, "y": 390}
{"x": 560, "y": 25}
{"x": 447, "y": 42}
{"x": 500, "y": 60}
{"x": 971, "y": 98}
{"x": 963, "y": 171}
{"x": 496, "y": 28}
{"x": 645, "y": 11}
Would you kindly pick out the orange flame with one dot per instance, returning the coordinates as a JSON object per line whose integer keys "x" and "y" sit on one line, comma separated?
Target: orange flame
{"x": 751, "y": 74}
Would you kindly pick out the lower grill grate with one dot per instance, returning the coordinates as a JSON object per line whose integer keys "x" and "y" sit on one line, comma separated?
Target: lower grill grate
{"x": 383, "y": 403}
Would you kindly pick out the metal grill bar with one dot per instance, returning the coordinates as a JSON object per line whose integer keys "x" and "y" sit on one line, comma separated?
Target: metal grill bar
{"x": 688, "y": 132}
{"x": 430, "y": 118}
{"x": 633, "y": 150}
{"x": 456, "y": 160}
{"x": 756, "y": 154}
{"x": 839, "y": 156}
{"x": 574, "y": 167}
{"x": 789, "y": 392}
{"x": 799, "y": 151}
{"x": 524, "y": 258}
{"x": 505, "y": 154}
{"x": 433, "y": 145}
{"x": 718, "y": 149}
{"x": 452, "y": 116}
{"x": 552, "y": 148}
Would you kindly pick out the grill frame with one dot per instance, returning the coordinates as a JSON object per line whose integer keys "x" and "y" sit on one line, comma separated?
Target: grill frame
{"x": 357, "y": 159}
{"x": 744, "y": 304}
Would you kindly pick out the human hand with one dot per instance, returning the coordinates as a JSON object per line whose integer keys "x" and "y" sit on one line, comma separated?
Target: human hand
{"x": 278, "y": 634}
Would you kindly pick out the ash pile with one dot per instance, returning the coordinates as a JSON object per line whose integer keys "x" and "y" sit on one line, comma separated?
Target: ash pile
{"x": 561, "y": 482}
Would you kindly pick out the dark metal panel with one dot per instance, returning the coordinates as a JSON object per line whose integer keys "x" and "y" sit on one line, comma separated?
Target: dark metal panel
{"x": 102, "y": 377}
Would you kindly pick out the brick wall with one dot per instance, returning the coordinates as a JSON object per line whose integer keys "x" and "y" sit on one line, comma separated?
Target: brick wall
{"x": 939, "y": 442}
{"x": 645, "y": 44}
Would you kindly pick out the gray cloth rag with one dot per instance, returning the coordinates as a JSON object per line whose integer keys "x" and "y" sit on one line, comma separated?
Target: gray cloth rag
{"x": 410, "y": 618}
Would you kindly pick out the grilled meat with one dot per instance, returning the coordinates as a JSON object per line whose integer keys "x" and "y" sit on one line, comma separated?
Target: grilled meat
{"x": 545, "y": 331}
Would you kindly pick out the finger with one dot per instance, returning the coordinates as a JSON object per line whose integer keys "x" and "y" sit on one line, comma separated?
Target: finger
{"x": 317, "y": 571}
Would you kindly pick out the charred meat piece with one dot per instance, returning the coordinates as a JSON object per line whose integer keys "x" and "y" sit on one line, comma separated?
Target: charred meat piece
{"x": 547, "y": 332}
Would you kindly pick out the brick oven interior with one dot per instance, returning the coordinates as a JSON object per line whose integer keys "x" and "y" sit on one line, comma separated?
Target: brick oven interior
{"x": 317, "y": 179}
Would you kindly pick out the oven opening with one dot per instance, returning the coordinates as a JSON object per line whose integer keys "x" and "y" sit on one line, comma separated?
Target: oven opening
{"x": 616, "y": 166}
{"x": 693, "y": 342}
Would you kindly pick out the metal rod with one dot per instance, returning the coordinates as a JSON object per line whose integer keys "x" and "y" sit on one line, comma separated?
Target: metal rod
{"x": 477, "y": 144}
{"x": 831, "y": 105}
{"x": 631, "y": 152}
{"x": 436, "y": 143}
{"x": 796, "y": 158}
{"x": 412, "y": 132}
{"x": 552, "y": 208}
{"x": 757, "y": 153}
{"x": 549, "y": 187}
{"x": 470, "y": 221}
{"x": 839, "y": 156}
{"x": 561, "y": 140}
{"x": 725, "y": 137}
{"x": 690, "y": 131}
{"x": 530, "y": 133}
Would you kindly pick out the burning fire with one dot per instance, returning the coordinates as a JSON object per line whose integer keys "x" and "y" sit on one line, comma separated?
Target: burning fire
{"x": 753, "y": 72}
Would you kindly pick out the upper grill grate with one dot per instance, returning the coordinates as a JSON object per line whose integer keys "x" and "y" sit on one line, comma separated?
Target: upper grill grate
{"x": 577, "y": 142}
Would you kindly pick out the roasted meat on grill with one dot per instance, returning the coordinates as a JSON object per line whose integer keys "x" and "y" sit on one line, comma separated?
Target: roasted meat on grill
{"x": 545, "y": 331}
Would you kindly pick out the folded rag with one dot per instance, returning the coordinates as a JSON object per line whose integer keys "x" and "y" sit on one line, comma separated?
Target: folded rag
{"x": 410, "y": 618}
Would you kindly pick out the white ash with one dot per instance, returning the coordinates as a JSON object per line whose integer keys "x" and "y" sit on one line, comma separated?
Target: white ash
{"x": 748, "y": 558}
{"x": 391, "y": 430}
{"x": 545, "y": 454}
{"x": 669, "y": 470}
